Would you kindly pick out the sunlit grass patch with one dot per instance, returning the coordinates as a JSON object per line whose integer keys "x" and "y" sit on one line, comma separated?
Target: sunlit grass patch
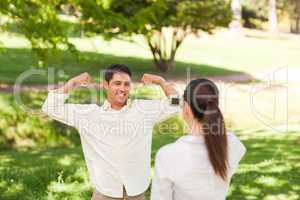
{"x": 60, "y": 173}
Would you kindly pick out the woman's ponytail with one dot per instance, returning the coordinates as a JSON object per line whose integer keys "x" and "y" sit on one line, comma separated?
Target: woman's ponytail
{"x": 203, "y": 98}
{"x": 216, "y": 140}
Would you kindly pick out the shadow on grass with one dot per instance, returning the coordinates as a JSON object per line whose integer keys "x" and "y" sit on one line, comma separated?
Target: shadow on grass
{"x": 55, "y": 173}
{"x": 45, "y": 174}
{"x": 14, "y": 61}
{"x": 269, "y": 169}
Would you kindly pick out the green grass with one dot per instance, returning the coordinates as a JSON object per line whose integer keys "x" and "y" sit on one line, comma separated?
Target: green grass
{"x": 15, "y": 61}
{"x": 270, "y": 170}
{"x": 53, "y": 166}
{"x": 206, "y": 56}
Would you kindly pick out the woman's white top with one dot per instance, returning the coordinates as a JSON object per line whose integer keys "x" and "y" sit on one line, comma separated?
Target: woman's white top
{"x": 183, "y": 170}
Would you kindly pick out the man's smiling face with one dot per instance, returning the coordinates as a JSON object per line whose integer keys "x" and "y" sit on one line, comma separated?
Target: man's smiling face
{"x": 118, "y": 88}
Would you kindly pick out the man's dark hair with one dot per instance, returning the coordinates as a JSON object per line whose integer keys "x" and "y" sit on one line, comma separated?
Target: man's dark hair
{"x": 115, "y": 68}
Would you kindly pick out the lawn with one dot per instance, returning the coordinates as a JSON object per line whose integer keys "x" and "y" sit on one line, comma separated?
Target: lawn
{"x": 269, "y": 171}
{"x": 206, "y": 56}
{"x": 52, "y": 165}
{"x": 42, "y": 159}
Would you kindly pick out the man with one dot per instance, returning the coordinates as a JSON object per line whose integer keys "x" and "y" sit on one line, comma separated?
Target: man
{"x": 116, "y": 137}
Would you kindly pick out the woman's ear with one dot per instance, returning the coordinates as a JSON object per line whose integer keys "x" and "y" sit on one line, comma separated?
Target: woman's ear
{"x": 186, "y": 110}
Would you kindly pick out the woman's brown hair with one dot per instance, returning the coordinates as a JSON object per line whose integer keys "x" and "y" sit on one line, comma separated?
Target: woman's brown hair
{"x": 202, "y": 96}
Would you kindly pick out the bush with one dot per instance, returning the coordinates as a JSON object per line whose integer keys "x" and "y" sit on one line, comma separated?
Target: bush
{"x": 252, "y": 18}
{"x": 19, "y": 128}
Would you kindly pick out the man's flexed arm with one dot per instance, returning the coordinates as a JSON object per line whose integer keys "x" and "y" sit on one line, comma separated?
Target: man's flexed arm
{"x": 83, "y": 79}
{"x": 163, "y": 107}
{"x": 55, "y": 105}
{"x": 167, "y": 87}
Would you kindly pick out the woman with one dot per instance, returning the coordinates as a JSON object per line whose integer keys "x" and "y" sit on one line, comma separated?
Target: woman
{"x": 198, "y": 166}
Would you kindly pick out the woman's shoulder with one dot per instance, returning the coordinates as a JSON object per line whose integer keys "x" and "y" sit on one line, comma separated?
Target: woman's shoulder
{"x": 236, "y": 147}
{"x": 167, "y": 150}
{"x": 232, "y": 137}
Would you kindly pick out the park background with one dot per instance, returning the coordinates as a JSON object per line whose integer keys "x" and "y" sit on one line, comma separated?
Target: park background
{"x": 250, "y": 48}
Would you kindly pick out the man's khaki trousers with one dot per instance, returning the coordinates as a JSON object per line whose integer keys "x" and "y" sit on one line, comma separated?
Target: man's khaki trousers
{"x": 98, "y": 196}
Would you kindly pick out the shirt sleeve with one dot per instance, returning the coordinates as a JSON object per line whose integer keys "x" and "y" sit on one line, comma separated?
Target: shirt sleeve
{"x": 162, "y": 186}
{"x": 236, "y": 152}
{"x": 158, "y": 109}
{"x": 56, "y": 108}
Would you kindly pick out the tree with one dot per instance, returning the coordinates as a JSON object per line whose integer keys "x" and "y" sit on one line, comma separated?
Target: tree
{"x": 273, "y": 27}
{"x": 39, "y": 22}
{"x": 256, "y": 12}
{"x": 295, "y": 17}
{"x": 163, "y": 23}
{"x": 236, "y": 9}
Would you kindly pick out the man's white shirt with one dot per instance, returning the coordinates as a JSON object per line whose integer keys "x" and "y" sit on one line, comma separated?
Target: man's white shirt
{"x": 116, "y": 143}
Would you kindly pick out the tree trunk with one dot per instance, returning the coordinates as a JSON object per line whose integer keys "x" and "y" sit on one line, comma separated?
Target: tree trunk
{"x": 295, "y": 17}
{"x": 235, "y": 26}
{"x": 297, "y": 25}
{"x": 164, "y": 46}
{"x": 236, "y": 9}
{"x": 273, "y": 26}
{"x": 164, "y": 65}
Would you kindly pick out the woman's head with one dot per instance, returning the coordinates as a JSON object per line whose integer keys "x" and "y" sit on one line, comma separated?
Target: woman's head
{"x": 201, "y": 105}
{"x": 199, "y": 96}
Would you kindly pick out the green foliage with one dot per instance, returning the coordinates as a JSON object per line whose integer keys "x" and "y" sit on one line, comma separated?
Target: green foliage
{"x": 23, "y": 125}
{"x": 40, "y": 22}
{"x": 150, "y": 18}
{"x": 255, "y": 12}
{"x": 252, "y": 18}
